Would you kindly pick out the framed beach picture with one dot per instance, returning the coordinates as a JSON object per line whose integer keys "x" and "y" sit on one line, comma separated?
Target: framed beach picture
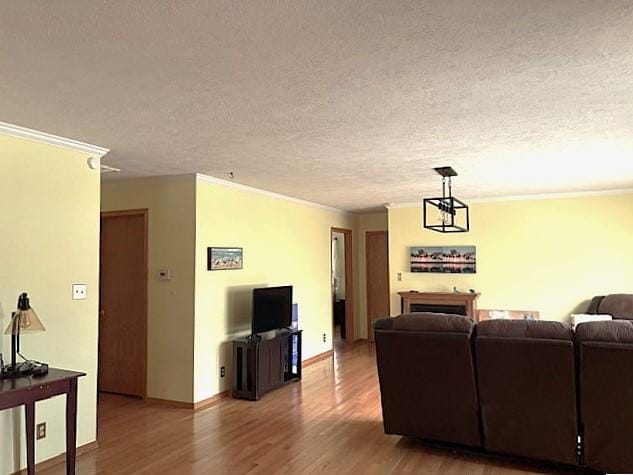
{"x": 444, "y": 259}
{"x": 224, "y": 258}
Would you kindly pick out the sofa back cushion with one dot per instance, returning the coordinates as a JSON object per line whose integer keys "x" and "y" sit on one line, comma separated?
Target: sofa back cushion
{"x": 527, "y": 388}
{"x": 619, "y": 306}
{"x": 428, "y": 322}
{"x": 605, "y": 351}
{"x": 527, "y": 329}
{"x": 427, "y": 377}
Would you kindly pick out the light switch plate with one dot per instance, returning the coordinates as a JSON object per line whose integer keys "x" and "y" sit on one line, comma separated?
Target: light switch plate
{"x": 164, "y": 274}
{"x": 80, "y": 291}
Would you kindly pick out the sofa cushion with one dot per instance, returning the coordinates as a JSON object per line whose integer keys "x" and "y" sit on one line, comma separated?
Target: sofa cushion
{"x": 618, "y": 305}
{"x": 432, "y": 322}
{"x": 525, "y": 329}
{"x": 615, "y": 331}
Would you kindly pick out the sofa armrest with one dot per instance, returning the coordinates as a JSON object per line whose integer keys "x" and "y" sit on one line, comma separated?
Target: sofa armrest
{"x": 594, "y": 305}
{"x": 383, "y": 323}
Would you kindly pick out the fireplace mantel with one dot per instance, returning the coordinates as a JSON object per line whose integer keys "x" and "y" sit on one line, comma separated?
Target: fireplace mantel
{"x": 467, "y": 301}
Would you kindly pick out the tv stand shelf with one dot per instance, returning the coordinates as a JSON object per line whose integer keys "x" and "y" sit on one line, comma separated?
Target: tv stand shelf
{"x": 263, "y": 364}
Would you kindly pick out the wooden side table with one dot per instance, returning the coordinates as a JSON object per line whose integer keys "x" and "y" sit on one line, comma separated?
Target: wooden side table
{"x": 30, "y": 389}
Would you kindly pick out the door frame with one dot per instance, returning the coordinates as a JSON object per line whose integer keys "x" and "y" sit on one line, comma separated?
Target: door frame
{"x": 369, "y": 322}
{"x": 349, "y": 283}
{"x": 144, "y": 213}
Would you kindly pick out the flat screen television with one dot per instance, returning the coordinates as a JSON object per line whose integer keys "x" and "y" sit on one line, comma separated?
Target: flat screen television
{"x": 272, "y": 308}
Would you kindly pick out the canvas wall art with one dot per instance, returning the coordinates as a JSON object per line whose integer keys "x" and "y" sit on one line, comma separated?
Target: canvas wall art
{"x": 444, "y": 259}
{"x": 224, "y": 258}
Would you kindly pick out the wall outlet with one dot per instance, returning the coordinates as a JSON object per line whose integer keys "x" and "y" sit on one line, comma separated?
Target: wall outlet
{"x": 222, "y": 372}
{"x": 40, "y": 431}
{"x": 324, "y": 337}
{"x": 399, "y": 276}
{"x": 80, "y": 291}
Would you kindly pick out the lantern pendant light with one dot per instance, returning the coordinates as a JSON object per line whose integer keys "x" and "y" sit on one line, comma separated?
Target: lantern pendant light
{"x": 446, "y": 214}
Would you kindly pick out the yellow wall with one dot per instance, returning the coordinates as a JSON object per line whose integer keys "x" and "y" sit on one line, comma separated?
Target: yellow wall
{"x": 170, "y": 202}
{"x": 49, "y": 216}
{"x": 366, "y": 222}
{"x": 548, "y": 255}
{"x": 193, "y": 317}
{"x": 284, "y": 243}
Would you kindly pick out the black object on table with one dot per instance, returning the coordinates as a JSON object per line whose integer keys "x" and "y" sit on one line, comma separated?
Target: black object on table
{"x": 263, "y": 364}
{"x": 30, "y": 389}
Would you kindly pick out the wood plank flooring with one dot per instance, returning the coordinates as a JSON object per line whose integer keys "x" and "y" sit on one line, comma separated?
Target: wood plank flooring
{"x": 328, "y": 423}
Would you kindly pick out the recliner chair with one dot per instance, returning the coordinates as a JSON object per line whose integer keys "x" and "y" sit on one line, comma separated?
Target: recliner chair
{"x": 605, "y": 351}
{"x": 427, "y": 377}
{"x": 527, "y": 389}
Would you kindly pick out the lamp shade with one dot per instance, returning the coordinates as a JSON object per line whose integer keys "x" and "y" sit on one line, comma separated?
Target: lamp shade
{"x": 25, "y": 320}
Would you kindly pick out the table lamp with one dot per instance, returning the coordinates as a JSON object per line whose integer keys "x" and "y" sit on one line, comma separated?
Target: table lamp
{"x": 24, "y": 320}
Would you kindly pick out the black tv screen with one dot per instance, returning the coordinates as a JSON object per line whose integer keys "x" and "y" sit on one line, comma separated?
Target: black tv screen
{"x": 272, "y": 308}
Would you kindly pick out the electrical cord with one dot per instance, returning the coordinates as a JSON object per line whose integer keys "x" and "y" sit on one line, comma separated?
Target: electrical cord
{"x": 27, "y": 360}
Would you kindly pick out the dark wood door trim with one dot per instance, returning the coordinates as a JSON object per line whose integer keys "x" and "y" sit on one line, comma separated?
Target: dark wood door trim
{"x": 368, "y": 312}
{"x": 349, "y": 281}
{"x": 126, "y": 212}
{"x": 145, "y": 214}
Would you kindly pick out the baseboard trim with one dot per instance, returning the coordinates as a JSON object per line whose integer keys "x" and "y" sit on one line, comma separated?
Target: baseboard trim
{"x": 170, "y": 403}
{"x": 210, "y": 401}
{"x": 61, "y": 458}
{"x": 192, "y": 406}
{"x": 317, "y": 358}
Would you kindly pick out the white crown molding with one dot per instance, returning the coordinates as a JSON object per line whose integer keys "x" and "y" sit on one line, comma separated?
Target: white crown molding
{"x": 270, "y": 194}
{"x": 43, "y": 137}
{"x": 114, "y": 179}
{"x": 543, "y": 196}
{"x": 553, "y": 196}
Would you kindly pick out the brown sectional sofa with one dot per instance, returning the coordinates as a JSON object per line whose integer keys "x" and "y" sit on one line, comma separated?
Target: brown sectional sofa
{"x": 526, "y": 389}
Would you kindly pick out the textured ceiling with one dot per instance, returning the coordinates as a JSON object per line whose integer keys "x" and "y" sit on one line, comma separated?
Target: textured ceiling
{"x": 348, "y": 104}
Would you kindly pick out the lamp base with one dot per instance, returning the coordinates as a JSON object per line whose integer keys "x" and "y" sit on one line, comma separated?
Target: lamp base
{"x": 23, "y": 369}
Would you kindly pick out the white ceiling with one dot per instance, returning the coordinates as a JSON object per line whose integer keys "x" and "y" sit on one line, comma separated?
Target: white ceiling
{"x": 344, "y": 103}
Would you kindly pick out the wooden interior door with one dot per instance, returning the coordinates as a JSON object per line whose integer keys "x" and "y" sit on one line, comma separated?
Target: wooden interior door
{"x": 123, "y": 303}
{"x": 377, "y": 273}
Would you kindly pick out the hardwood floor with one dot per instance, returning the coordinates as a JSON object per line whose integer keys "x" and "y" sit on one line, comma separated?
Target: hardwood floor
{"x": 328, "y": 423}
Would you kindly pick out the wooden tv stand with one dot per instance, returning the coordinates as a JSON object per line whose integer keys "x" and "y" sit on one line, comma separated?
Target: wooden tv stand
{"x": 261, "y": 365}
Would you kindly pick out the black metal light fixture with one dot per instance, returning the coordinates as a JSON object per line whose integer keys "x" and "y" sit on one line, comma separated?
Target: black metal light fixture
{"x": 446, "y": 214}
